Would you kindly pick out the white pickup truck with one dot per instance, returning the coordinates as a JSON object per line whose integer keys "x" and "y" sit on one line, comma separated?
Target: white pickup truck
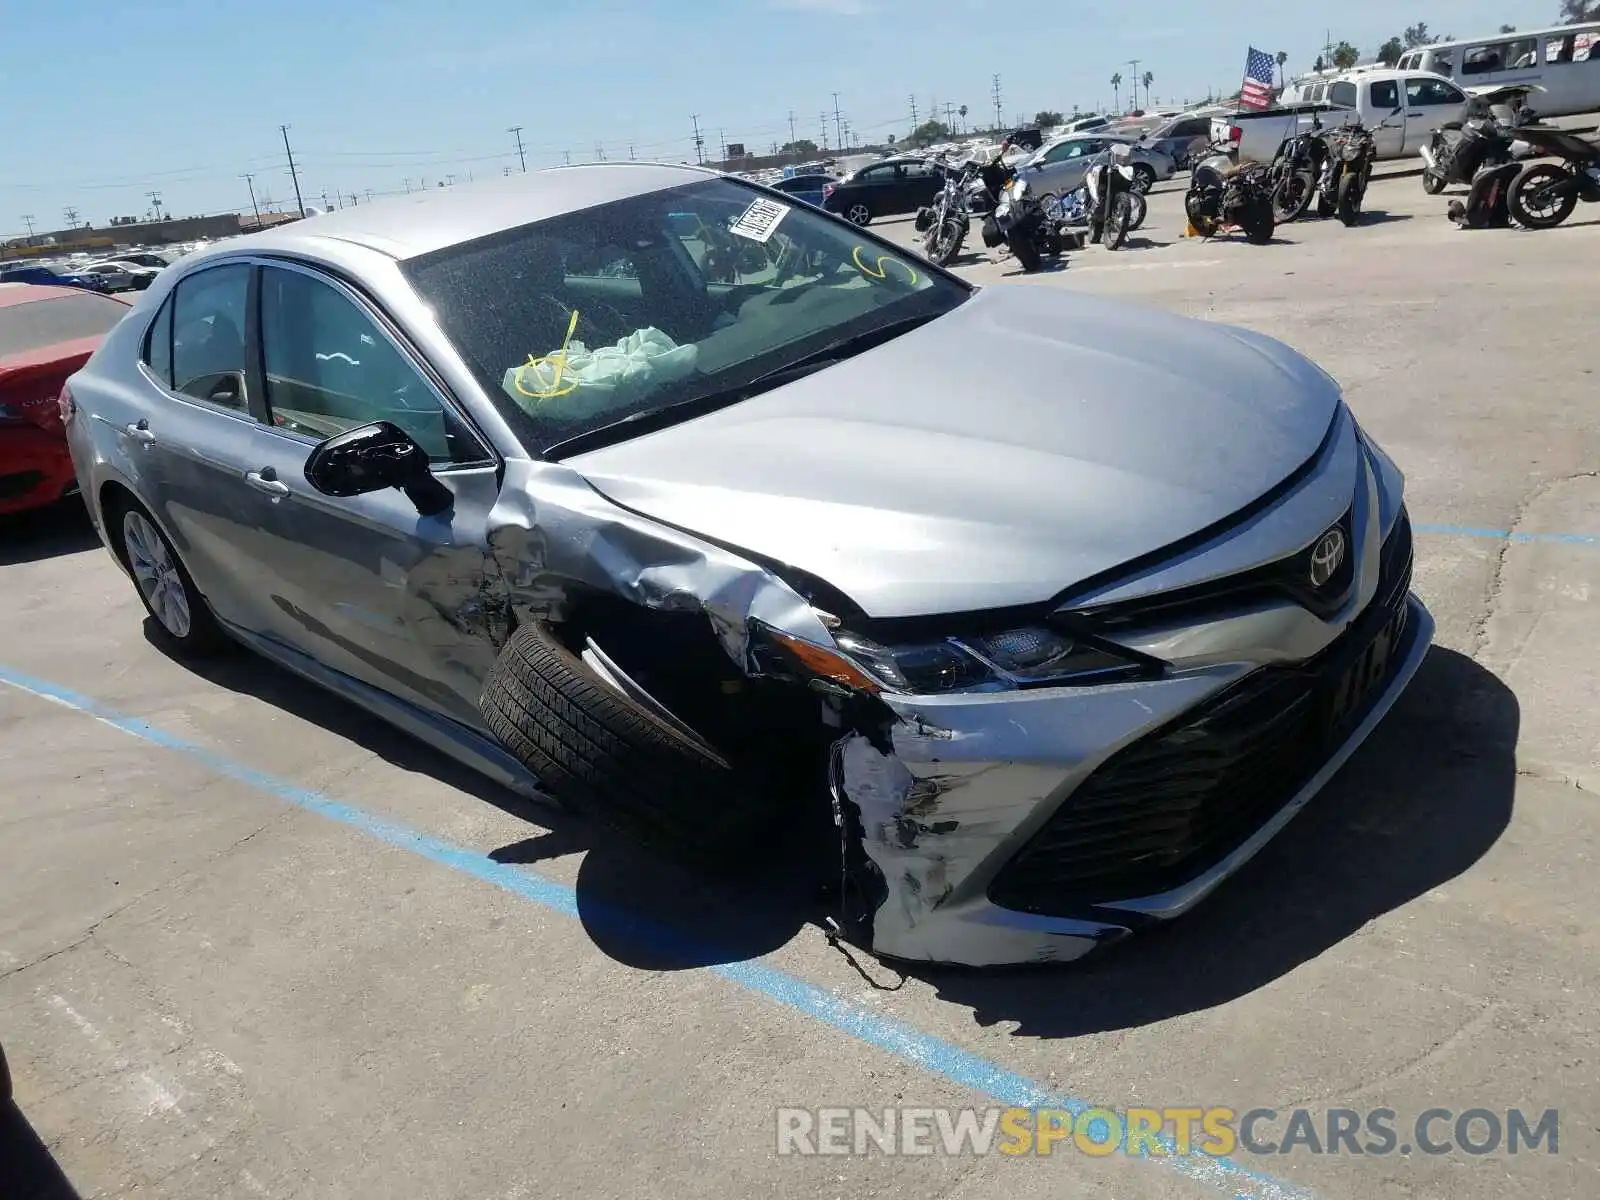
{"x": 1402, "y": 108}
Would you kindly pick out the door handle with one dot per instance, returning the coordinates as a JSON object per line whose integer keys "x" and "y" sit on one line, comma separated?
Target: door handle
{"x": 139, "y": 431}
{"x": 266, "y": 480}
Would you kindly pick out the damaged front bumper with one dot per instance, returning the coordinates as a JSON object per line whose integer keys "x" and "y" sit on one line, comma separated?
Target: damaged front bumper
{"x": 1019, "y": 827}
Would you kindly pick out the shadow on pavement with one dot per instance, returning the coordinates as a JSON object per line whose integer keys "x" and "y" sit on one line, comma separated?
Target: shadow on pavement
{"x": 1426, "y": 797}
{"x": 62, "y": 528}
{"x": 27, "y": 1170}
{"x": 1377, "y": 216}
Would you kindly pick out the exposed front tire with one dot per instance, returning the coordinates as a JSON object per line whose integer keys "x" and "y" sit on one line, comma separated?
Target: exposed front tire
{"x": 947, "y": 240}
{"x": 1533, "y": 210}
{"x": 1432, "y": 182}
{"x": 1292, "y": 196}
{"x": 183, "y": 619}
{"x": 615, "y": 761}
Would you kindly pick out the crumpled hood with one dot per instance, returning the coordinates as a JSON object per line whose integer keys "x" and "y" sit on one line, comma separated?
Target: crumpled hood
{"x": 1027, "y": 440}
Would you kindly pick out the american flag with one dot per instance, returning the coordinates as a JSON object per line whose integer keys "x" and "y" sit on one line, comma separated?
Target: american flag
{"x": 1257, "y": 89}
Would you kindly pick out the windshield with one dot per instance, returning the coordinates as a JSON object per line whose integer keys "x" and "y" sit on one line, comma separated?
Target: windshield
{"x": 580, "y": 321}
{"x": 56, "y": 319}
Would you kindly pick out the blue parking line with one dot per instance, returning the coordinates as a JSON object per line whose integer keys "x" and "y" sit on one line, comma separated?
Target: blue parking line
{"x": 923, "y": 1050}
{"x": 1514, "y": 535}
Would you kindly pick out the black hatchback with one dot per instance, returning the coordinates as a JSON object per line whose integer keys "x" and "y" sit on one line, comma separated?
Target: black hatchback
{"x": 884, "y": 189}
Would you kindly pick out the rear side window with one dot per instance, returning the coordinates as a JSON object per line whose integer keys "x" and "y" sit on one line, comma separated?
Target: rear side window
{"x": 158, "y": 344}
{"x": 57, "y": 319}
{"x": 1385, "y": 95}
{"x": 208, "y": 323}
{"x": 1343, "y": 94}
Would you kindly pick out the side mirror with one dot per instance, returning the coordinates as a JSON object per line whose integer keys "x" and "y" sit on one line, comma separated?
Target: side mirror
{"x": 373, "y": 457}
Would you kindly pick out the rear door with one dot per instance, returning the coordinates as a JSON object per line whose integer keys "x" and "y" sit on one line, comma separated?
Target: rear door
{"x": 365, "y": 584}
{"x": 1430, "y": 102}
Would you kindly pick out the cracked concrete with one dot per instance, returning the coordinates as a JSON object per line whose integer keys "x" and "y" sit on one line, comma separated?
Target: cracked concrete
{"x": 330, "y": 1016}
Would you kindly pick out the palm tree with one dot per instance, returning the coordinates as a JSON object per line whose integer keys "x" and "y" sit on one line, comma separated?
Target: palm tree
{"x": 1149, "y": 78}
{"x": 1283, "y": 57}
{"x": 1116, "y": 90}
{"x": 1573, "y": 11}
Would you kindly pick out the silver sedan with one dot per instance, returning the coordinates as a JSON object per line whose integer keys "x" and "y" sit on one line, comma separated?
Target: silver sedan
{"x": 661, "y": 494}
{"x": 1059, "y": 166}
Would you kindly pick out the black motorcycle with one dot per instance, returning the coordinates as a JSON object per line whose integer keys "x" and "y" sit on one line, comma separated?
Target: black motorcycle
{"x": 1544, "y": 194}
{"x": 1346, "y": 171}
{"x": 1225, "y": 192}
{"x": 1029, "y": 225}
{"x": 945, "y": 223}
{"x": 1457, "y": 151}
{"x": 1295, "y": 170}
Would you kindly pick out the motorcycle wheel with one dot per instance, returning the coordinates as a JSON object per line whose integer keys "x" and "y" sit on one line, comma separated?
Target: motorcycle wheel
{"x": 1025, "y": 252}
{"x": 1525, "y": 195}
{"x": 1292, "y": 196}
{"x": 1432, "y": 182}
{"x": 1257, "y": 222}
{"x": 947, "y": 241}
{"x": 1117, "y": 223}
{"x": 1140, "y": 208}
{"x": 1349, "y": 201}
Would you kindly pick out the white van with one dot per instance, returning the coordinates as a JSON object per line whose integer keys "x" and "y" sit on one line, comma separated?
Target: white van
{"x": 1564, "y": 60}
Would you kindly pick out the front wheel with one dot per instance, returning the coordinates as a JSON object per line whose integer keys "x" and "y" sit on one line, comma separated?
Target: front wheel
{"x": 946, "y": 240}
{"x": 1432, "y": 182}
{"x": 1292, "y": 196}
{"x": 1349, "y": 201}
{"x": 1542, "y": 197}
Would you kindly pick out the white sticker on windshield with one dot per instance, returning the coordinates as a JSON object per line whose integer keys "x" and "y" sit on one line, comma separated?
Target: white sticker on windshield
{"x": 759, "y": 220}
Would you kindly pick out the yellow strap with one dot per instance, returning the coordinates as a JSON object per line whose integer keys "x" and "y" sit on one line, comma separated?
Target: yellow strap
{"x": 559, "y": 359}
{"x": 882, "y": 271}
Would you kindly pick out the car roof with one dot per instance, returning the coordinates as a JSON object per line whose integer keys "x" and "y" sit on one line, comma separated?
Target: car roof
{"x": 28, "y": 293}
{"x": 430, "y": 219}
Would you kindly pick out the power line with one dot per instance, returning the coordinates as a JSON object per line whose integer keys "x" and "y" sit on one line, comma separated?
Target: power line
{"x": 521, "y": 157}
{"x": 299, "y": 203}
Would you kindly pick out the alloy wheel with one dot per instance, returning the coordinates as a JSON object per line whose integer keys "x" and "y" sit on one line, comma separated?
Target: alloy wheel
{"x": 156, "y": 574}
{"x": 859, "y": 214}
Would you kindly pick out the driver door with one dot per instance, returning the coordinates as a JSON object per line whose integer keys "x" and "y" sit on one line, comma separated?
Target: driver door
{"x": 364, "y": 584}
{"x": 1383, "y": 97}
{"x": 1429, "y": 104}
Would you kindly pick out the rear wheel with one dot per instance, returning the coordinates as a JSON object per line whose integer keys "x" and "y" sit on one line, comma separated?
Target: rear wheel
{"x": 1117, "y": 222}
{"x": 1538, "y": 199}
{"x": 1256, "y": 221}
{"x": 1138, "y": 209}
{"x": 858, "y": 214}
{"x": 1024, "y": 251}
{"x": 1144, "y": 177}
{"x": 182, "y": 617}
{"x": 1432, "y": 182}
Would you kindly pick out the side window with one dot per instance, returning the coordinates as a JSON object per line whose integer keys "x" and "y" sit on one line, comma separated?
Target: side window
{"x": 1424, "y": 92}
{"x": 876, "y": 174}
{"x": 1343, "y": 94}
{"x": 1480, "y": 60}
{"x": 1385, "y": 96}
{"x": 208, "y": 321}
{"x": 1057, "y": 153}
{"x": 1560, "y": 50}
{"x": 330, "y": 368}
{"x": 158, "y": 344}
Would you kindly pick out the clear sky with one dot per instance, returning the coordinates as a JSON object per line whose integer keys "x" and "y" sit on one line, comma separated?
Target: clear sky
{"x": 105, "y": 101}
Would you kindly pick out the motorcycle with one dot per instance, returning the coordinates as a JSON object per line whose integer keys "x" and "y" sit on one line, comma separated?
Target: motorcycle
{"x": 1028, "y": 227}
{"x": 1346, "y": 170}
{"x": 1544, "y": 194}
{"x": 1457, "y": 151}
{"x": 945, "y": 223}
{"x": 1111, "y": 198}
{"x": 1295, "y": 170}
{"x": 1224, "y": 192}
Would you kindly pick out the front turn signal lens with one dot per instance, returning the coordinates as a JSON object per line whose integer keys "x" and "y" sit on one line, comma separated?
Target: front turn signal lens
{"x": 826, "y": 664}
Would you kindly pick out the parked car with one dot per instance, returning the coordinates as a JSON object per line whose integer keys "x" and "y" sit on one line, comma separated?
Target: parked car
{"x": 1401, "y": 108}
{"x": 1083, "y": 125}
{"x": 47, "y": 275}
{"x": 146, "y": 258}
{"x": 1059, "y": 167}
{"x": 810, "y": 188}
{"x": 116, "y": 278}
{"x": 1181, "y": 138}
{"x": 1066, "y": 652}
{"x": 884, "y": 189}
{"x": 46, "y": 333}
{"x": 139, "y": 275}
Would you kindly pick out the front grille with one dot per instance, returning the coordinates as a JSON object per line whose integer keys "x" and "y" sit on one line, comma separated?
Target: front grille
{"x": 1170, "y": 806}
{"x": 19, "y": 483}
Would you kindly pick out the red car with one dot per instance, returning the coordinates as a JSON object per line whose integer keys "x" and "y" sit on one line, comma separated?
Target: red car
{"x": 46, "y": 333}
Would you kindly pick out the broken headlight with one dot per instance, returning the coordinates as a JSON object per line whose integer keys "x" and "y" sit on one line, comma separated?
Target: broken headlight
{"x": 1009, "y": 659}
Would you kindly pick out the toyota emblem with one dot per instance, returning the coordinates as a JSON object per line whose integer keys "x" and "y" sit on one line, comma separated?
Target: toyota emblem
{"x": 1326, "y": 557}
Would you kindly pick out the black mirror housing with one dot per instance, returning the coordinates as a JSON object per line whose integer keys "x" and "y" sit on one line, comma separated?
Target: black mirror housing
{"x": 373, "y": 457}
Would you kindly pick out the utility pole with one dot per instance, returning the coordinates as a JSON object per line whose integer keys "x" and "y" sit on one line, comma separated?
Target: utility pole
{"x": 155, "y": 202}
{"x": 823, "y": 118}
{"x": 369, "y": 195}
{"x": 722, "y": 140}
{"x": 838, "y": 123}
{"x": 913, "y": 99}
{"x": 71, "y": 215}
{"x": 516, "y": 131}
{"x": 299, "y": 203}
{"x": 566, "y": 156}
{"x": 999, "y": 120}
{"x": 250, "y": 182}
{"x": 949, "y": 115}
{"x": 28, "y": 220}
{"x": 1133, "y": 64}
{"x": 406, "y": 182}
{"x": 699, "y": 142}
{"x": 792, "y": 138}
{"x": 630, "y": 152}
